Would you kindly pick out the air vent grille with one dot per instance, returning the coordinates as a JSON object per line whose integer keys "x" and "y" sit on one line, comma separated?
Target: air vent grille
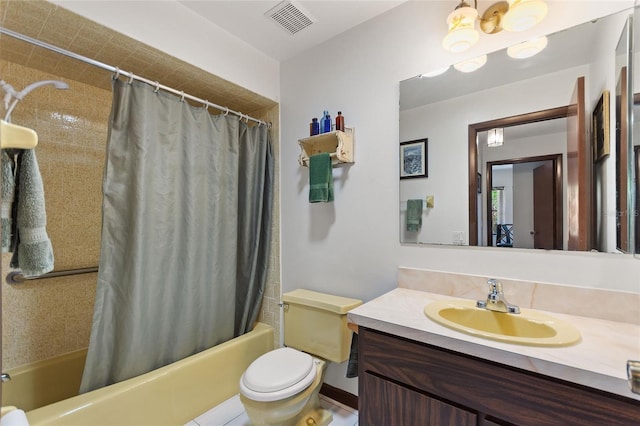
{"x": 290, "y": 16}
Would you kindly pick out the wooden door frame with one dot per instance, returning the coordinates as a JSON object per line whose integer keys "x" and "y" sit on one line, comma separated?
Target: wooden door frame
{"x": 556, "y": 159}
{"x": 474, "y": 129}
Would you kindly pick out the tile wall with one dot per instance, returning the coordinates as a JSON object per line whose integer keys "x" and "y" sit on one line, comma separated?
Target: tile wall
{"x": 44, "y": 318}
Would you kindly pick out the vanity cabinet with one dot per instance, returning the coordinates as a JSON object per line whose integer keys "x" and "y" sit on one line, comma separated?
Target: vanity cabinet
{"x": 403, "y": 382}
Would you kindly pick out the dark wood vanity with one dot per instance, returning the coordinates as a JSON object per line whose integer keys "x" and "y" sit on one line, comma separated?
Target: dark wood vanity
{"x": 404, "y": 382}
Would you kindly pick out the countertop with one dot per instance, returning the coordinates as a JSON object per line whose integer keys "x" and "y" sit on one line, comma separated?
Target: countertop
{"x": 598, "y": 361}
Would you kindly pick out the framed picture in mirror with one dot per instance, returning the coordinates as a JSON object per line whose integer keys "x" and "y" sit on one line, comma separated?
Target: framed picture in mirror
{"x": 414, "y": 159}
{"x": 600, "y": 127}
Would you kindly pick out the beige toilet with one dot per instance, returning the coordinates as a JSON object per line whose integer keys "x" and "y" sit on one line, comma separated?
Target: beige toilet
{"x": 281, "y": 387}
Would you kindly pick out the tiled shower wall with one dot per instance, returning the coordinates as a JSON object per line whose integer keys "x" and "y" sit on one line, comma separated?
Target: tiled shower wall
{"x": 45, "y": 318}
{"x": 49, "y": 317}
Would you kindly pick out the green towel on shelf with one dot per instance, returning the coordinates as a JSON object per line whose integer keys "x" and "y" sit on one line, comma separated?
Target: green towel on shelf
{"x": 320, "y": 178}
{"x": 414, "y": 215}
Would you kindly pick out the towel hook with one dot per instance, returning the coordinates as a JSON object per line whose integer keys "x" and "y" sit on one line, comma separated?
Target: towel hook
{"x": 130, "y": 77}
{"x": 157, "y": 87}
{"x": 117, "y": 76}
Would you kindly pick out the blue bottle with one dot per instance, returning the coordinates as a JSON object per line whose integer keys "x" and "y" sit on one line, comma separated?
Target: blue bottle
{"x": 325, "y": 126}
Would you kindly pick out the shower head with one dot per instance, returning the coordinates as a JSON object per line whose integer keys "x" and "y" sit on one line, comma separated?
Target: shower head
{"x": 56, "y": 83}
{"x": 24, "y": 92}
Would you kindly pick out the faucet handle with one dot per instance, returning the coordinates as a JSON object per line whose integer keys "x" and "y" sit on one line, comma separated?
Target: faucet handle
{"x": 495, "y": 286}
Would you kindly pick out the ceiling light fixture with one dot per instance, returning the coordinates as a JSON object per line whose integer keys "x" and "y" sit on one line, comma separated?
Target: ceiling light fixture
{"x": 528, "y": 48}
{"x": 524, "y": 14}
{"x": 471, "y": 65}
{"x": 495, "y": 137}
{"x": 434, "y": 73}
{"x": 462, "y": 33}
{"x": 514, "y": 15}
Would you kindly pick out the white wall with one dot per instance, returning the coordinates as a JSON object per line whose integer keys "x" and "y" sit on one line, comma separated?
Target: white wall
{"x": 350, "y": 247}
{"x": 178, "y": 31}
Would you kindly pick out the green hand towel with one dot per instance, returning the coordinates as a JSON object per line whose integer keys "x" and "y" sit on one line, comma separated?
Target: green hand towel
{"x": 414, "y": 215}
{"x": 320, "y": 178}
{"x": 8, "y": 194}
{"x": 34, "y": 255}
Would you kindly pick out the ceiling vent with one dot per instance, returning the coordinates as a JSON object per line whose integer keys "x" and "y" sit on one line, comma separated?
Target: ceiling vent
{"x": 290, "y": 16}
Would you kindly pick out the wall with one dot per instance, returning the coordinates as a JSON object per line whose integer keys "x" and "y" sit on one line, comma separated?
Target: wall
{"x": 350, "y": 247}
{"x": 179, "y": 32}
{"x": 45, "y": 318}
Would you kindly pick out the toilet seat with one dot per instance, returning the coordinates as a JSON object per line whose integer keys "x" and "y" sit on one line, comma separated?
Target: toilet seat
{"x": 277, "y": 375}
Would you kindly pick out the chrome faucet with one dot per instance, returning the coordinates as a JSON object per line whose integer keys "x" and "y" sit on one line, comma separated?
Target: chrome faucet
{"x": 496, "y": 300}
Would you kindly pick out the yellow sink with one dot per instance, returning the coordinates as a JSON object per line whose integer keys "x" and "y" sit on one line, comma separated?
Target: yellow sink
{"x": 526, "y": 328}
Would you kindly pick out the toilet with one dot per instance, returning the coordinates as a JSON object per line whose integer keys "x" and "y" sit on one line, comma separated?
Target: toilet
{"x": 281, "y": 387}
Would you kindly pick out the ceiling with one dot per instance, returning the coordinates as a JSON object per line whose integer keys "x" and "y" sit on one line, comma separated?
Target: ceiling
{"x": 56, "y": 25}
{"x": 246, "y": 20}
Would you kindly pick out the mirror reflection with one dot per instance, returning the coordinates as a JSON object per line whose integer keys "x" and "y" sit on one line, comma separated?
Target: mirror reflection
{"x": 512, "y": 160}
{"x": 623, "y": 154}
{"x": 634, "y": 170}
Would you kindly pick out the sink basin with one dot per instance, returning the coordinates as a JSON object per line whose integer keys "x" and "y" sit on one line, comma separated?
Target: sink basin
{"x": 526, "y": 328}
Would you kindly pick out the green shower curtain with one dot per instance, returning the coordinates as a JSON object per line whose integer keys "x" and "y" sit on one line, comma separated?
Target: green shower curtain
{"x": 186, "y": 222}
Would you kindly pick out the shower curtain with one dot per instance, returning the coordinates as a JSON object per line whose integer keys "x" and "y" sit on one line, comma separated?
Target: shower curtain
{"x": 186, "y": 222}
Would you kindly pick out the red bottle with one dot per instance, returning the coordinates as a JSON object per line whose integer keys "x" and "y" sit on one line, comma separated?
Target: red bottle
{"x": 340, "y": 121}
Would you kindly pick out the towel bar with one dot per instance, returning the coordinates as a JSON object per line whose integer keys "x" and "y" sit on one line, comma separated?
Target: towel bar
{"x": 16, "y": 277}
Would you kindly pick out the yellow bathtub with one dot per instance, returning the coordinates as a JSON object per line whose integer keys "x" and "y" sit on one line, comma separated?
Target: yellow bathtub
{"x": 171, "y": 395}
{"x": 44, "y": 382}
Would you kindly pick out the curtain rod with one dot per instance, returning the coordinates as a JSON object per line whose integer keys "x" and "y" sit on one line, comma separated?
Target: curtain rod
{"x": 120, "y": 72}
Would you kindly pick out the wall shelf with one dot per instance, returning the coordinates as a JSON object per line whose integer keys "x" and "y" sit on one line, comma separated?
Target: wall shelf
{"x": 338, "y": 144}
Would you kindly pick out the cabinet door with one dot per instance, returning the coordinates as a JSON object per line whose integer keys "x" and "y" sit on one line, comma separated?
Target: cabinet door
{"x": 385, "y": 403}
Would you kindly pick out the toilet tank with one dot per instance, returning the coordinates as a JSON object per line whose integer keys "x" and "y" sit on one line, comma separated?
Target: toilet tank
{"x": 316, "y": 323}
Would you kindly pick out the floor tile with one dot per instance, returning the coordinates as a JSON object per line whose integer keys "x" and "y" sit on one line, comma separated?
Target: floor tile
{"x": 231, "y": 413}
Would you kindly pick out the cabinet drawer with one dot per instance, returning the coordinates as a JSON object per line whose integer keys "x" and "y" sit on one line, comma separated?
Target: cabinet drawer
{"x": 502, "y": 392}
{"x": 389, "y": 404}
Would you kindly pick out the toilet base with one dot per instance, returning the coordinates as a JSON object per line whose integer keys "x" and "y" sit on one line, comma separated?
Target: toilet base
{"x": 315, "y": 415}
{"x": 303, "y": 409}
{"x": 311, "y": 414}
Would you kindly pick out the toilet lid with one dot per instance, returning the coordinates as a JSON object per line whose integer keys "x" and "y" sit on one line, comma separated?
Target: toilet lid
{"x": 277, "y": 370}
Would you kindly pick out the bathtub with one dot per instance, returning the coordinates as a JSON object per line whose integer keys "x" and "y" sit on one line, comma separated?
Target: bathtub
{"x": 171, "y": 395}
{"x": 44, "y": 382}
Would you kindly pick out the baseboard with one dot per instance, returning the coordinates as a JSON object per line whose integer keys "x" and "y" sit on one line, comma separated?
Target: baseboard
{"x": 342, "y": 396}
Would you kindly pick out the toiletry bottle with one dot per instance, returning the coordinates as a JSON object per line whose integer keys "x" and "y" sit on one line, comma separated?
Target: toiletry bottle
{"x": 340, "y": 121}
{"x": 326, "y": 123}
{"x": 314, "y": 127}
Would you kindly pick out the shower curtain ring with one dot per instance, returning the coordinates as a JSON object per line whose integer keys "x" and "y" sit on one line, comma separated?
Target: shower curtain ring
{"x": 157, "y": 87}
{"x": 226, "y": 112}
{"x": 130, "y": 77}
{"x": 206, "y": 105}
{"x": 117, "y": 76}
{"x": 182, "y": 96}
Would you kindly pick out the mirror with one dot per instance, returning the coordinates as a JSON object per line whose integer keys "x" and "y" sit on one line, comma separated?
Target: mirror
{"x": 634, "y": 170}
{"x": 542, "y": 107}
{"x": 624, "y": 155}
